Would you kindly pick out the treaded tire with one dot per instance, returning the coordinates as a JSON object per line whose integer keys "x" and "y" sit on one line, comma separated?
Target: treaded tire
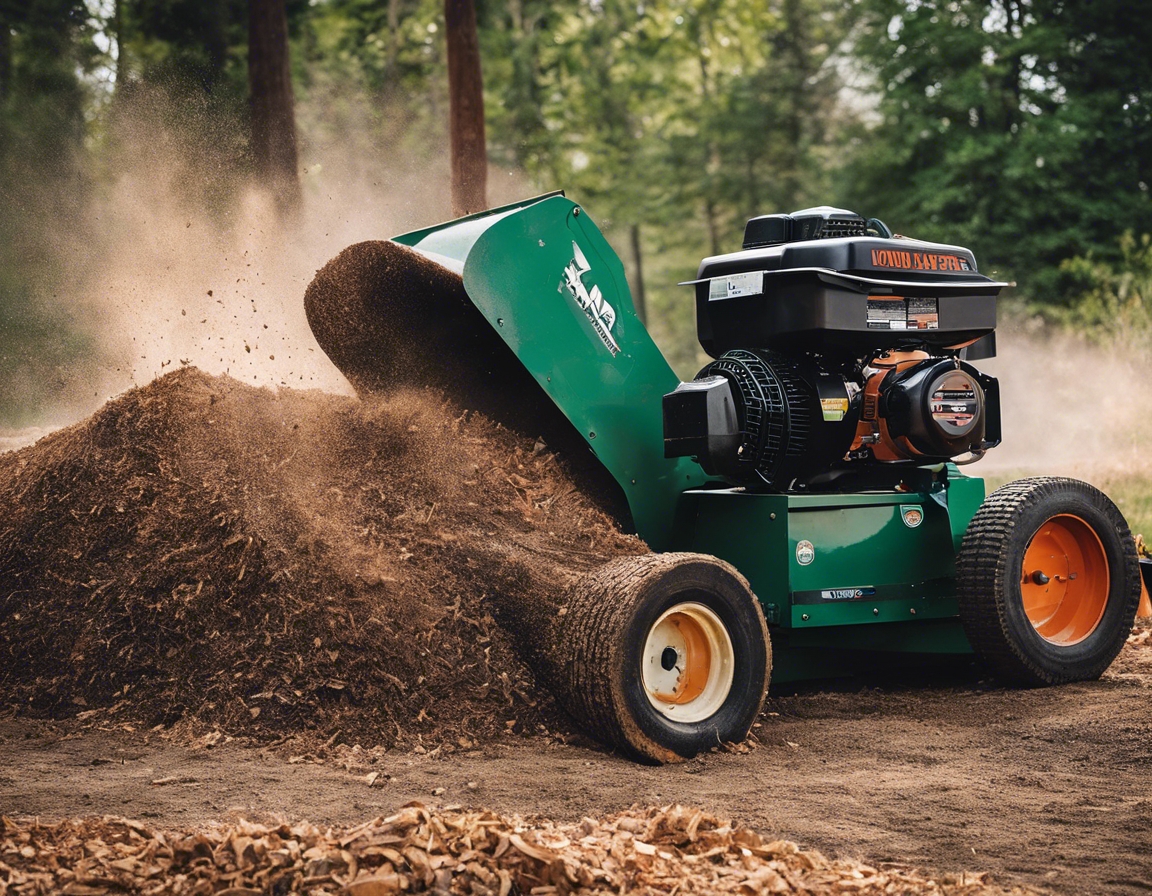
{"x": 610, "y": 613}
{"x": 991, "y": 577}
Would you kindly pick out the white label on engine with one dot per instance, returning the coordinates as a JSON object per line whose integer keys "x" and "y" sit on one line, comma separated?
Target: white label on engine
{"x": 897, "y": 313}
{"x": 736, "y": 285}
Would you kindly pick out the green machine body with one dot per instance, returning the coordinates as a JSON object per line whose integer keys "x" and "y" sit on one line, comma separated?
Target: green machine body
{"x": 864, "y": 563}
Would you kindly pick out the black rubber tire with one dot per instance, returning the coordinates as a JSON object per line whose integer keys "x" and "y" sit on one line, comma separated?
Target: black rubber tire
{"x": 607, "y": 619}
{"x": 988, "y": 579}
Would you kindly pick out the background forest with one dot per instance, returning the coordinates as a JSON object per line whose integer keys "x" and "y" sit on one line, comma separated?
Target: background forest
{"x": 1019, "y": 128}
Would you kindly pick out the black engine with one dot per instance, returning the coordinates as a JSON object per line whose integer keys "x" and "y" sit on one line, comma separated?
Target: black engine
{"x": 840, "y": 348}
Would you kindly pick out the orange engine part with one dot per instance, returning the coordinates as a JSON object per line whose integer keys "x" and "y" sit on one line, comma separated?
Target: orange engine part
{"x": 872, "y": 430}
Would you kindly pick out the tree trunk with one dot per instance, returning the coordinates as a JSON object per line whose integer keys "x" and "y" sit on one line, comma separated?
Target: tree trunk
{"x": 273, "y": 105}
{"x": 713, "y": 163}
{"x": 118, "y": 33}
{"x": 713, "y": 227}
{"x": 466, "y": 109}
{"x": 5, "y": 58}
{"x": 393, "y": 42}
{"x": 638, "y": 297}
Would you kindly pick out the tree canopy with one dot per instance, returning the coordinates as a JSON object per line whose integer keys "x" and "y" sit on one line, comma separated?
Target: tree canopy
{"x": 1020, "y": 128}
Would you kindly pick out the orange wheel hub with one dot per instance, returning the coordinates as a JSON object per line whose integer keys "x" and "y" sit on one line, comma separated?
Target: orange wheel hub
{"x": 688, "y": 663}
{"x": 1065, "y": 580}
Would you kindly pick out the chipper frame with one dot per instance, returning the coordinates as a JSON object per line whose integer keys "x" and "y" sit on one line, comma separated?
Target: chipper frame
{"x": 859, "y": 533}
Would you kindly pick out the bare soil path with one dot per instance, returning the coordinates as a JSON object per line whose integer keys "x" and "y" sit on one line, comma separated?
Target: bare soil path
{"x": 1050, "y": 788}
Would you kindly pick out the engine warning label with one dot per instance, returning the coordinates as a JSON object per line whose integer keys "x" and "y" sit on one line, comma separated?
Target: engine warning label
{"x": 834, "y": 409}
{"x": 899, "y": 313}
{"x": 735, "y": 286}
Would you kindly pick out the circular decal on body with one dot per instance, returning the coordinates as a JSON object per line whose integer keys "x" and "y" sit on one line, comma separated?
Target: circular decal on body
{"x": 912, "y": 515}
{"x": 805, "y": 553}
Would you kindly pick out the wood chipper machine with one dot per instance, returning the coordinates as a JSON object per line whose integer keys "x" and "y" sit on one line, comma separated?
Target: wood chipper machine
{"x": 802, "y": 495}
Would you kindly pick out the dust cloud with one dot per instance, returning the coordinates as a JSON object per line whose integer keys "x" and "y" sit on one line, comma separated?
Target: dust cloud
{"x": 182, "y": 285}
{"x": 175, "y": 261}
{"x": 1070, "y": 407}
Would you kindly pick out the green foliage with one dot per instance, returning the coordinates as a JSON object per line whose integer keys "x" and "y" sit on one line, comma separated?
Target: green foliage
{"x": 40, "y": 348}
{"x": 680, "y": 118}
{"x": 1022, "y": 128}
{"x": 184, "y": 44}
{"x": 375, "y": 73}
{"x": 666, "y": 110}
{"x": 392, "y": 46}
{"x": 43, "y": 102}
{"x": 1111, "y": 297}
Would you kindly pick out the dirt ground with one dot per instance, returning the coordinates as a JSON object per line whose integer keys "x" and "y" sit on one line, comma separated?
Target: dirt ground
{"x": 1049, "y": 788}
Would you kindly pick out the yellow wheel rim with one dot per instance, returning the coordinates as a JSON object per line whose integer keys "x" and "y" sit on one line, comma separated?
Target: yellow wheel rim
{"x": 1065, "y": 580}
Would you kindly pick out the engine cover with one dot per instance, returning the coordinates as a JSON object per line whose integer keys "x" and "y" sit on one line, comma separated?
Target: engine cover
{"x": 936, "y": 408}
{"x": 825, "y": 280}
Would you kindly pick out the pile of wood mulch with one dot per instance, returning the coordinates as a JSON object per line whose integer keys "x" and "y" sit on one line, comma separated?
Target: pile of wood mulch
{"x": 265, "y": 564}
{"x": 672, "y": 850}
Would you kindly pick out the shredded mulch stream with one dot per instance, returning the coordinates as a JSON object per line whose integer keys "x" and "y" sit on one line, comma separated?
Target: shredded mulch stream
{"x": 448, "y": 851}
{"x": 390, "y": 318}
{"x": 279, "y": 563}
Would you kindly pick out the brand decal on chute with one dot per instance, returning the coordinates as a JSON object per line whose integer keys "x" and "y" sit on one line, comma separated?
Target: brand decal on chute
{"x": 600, "y": 314}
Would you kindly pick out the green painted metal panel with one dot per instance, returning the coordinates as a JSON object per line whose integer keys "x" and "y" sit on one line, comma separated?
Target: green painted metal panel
{"x": 860, "y": 561}
{"x": 805, "y": 654}
{"x": 545, "y": 278}
{"x": 885, "y": 606}
{"x": 834, "y": 560}
{"x": 750, "y": 531}
{"x": 454, "y": 239}
{"x": 965, "y": 495}
{"x": 906, "y": 636}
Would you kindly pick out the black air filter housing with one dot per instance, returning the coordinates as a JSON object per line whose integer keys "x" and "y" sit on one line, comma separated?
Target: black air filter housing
{"x": 801, "y": 284}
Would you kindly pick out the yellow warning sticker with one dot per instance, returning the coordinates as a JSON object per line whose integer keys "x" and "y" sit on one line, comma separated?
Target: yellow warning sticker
{"x": 834, "y": 408}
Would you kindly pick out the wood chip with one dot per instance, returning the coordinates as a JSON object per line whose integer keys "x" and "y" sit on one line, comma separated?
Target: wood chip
{"x": 656, "y": 850}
